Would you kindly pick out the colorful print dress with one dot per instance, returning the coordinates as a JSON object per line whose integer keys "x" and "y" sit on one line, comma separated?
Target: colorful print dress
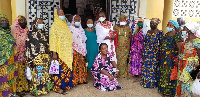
{"x": 8, "y": 64}
{"x": 188, "y": 61}
{"x": 168, "y": 51}
{"x": 102, "y": 81}
{"x": 123, "y": 49}
{"x": 137, "y": 41}
{"x": 151, "y": 59}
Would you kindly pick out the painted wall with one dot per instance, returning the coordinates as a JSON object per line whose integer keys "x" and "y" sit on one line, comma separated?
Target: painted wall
{"x": 5, "y": 8}
{"x": 18, "y": 8}
{"x": 154, "y": 9}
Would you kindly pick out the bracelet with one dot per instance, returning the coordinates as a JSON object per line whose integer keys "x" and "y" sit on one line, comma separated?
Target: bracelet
{"x": 117, "y": 70}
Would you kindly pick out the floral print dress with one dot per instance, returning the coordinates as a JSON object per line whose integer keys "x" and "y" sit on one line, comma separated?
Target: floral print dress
{"x": 102, "y": 81}
{"x": 168, "y": 51}
{"x": 188, "y": 61}
{"x": 137, "y": 41}
{"x": 151, "y": 59}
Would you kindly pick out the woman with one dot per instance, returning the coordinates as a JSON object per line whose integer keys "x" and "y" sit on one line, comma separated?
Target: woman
{"x": 169, "y": 49}
{"x": 79, "y": 49}
{"x": 123, "y": 45}
{"x": 151, "y": 55}
{"x": 91, "y": 43}
{"x": 137, "y": 41}
{"x": 188, "y": 59}
{"x": 60, "y": 43}
{"x": 8, "y": 64}
{"x": 105, "y": 34}
{"x": 104, "y": 70}
{"x": 37, "y": 56}
{"x": 19, "y": 31}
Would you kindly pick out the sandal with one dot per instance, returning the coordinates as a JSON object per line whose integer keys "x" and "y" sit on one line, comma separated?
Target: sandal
{"x": 64, "y": 92}
{"x": 23, "y": 95}
{"x": 59, "y": 92}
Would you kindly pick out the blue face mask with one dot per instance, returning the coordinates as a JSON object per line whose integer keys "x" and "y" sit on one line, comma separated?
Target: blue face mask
{"x": 77, "y": 24}
{"x": 184, "y": 33}
{"x": 62, "y": 17}
{"x": 90, "y": 25}
{"x": 169, "y": 29}
{"x": 40, "y": 26}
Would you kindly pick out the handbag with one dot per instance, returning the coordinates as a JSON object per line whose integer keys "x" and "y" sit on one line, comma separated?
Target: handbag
{"x": 54, "y": 68}
{"x": 28, "y": 73}
{"x": 174, "y": 74}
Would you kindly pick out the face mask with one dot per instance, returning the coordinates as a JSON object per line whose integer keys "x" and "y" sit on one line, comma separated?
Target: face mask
{"x": 122, "y": 23}
{"x": 23, "y": 25}
{"x": 4, "y": 25}
{"x": 169, "y": 29}
{"x": 90, "y": 25}
{"x": 182, "y": 25}
{"x": 40, "y": 26}
{"x": 62, "y": 17}
{"x": 184, "y": 33}
{"x": 153, "y": 27}
{"x": 102, "y": 19}
{"x": 139, "y": 24}
{"x": 77, "y": 24}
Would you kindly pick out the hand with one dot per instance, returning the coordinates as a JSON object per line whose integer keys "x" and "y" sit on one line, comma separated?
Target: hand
{"x": 111, "y": 78}
{"x": 113, "y": 37}
{"x": 117, "y": 74}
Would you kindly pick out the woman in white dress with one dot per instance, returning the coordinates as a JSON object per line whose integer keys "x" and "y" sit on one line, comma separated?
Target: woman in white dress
{"x": 105, "y": 34}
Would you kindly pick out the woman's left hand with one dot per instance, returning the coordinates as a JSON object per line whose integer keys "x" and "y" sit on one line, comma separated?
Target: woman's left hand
{"x": 117, "y": 74}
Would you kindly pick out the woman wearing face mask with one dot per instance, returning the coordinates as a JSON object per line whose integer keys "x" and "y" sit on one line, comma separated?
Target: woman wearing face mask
{"x": 105, "y": 34}
{"x": 37, "y": 56}
{"x": 79, "y": 49}
{"x": 19, "y": 31}
{"x": 104, "y": 70}
{"x": 137, "y": 41}
{"x": 60, "y": 43}
{"x": 123, "y": 45}
{"x": 169, "y": 50}
{"x": 151, "y": 55}
{"x": 91, "y": 43}
{"x": 188, "y": 59}
{"x": 8, "y": 62}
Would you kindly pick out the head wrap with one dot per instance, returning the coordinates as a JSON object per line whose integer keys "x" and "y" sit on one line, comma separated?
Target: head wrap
{"x": 20, "y": 16}
{"x": 36, "y": 43}
{"x": 155, "y": 20}
{"x": 4, "y": 16}
{"x": 141, "y": 20}
{"x": 79, "y": 37}
{"x": 20, "y": 36}
{"x": 192, "y": 26}
{"x": 60, "y": 40}
{"x": 6, "y": 43}
{"x": 122, "y": 17}
{"x": 175, "y": 23}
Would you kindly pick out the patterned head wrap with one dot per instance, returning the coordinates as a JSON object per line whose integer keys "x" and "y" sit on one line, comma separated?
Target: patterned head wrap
{"x": 3, "y": 16}
{"x": 122, "y": 17}
{"x": 20, "y": 16}
{"x": 155, "y": 20}
{"x": 175, "y": 23}
{"x": 141, "y": 20}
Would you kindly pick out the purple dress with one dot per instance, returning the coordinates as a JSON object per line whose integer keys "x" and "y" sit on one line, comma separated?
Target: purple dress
{"x": 102, "y": 81}
{"x": 137, "y": 41}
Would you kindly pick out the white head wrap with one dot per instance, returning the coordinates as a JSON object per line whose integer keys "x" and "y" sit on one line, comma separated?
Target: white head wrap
{"x": 192, "y": 26}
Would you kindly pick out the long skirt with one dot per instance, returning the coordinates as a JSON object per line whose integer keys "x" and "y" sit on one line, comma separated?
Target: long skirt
{"x": 22, "y": 82}
{"x": 79, "y": 68}
{"x": 41, "y": 81}
{"x": 63, "y": 80}
{"x": 8, "y": 75}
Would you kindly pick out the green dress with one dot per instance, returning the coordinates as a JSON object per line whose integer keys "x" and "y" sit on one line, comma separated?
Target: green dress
{"x": 123, "y": 49}
{"x": 92, "y": 48}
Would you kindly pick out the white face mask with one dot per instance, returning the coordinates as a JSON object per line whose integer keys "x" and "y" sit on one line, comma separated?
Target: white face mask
{"x": 102, "y": 19}
{"x": 122, "y": 23}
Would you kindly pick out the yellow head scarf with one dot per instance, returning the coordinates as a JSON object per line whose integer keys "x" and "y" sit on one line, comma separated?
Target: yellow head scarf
{"x": 61, "y": 39}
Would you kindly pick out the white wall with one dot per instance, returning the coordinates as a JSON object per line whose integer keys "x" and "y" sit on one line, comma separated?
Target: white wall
{"x": 142, "y": 8}
{"x": 21, "y": 7}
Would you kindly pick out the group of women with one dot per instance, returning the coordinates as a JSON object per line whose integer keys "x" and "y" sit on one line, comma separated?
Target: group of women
{"x": 169, "y": 62}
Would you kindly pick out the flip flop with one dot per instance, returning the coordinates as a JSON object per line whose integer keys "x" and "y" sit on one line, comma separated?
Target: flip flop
{"x": 64, "y": 92}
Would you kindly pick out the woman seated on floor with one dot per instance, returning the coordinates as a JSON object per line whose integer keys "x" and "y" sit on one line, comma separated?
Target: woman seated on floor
{"x": 105, "y": 70}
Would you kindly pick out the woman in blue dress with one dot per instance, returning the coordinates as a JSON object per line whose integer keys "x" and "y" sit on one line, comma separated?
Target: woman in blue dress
{"x": 91, "y": 44}
{"x": 151, "y": 55}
